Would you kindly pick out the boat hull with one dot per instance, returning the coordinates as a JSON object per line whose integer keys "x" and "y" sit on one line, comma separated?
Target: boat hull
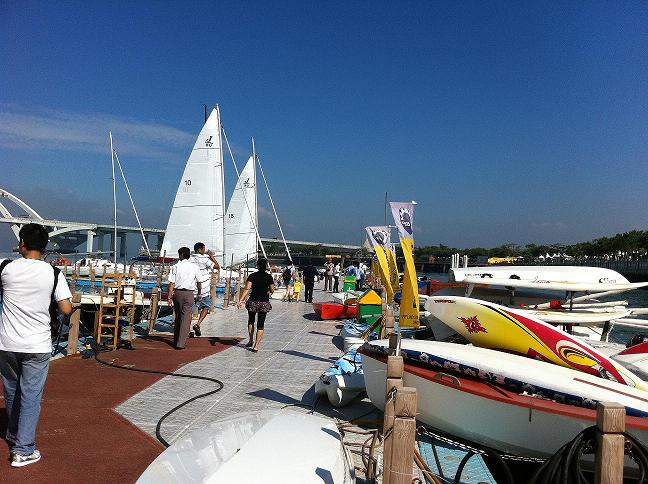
{"x": 488, "y": 415}
{"x": 334, "y": 310}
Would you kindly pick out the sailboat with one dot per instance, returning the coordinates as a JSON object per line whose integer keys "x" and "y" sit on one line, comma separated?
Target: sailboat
{"x": 198, "y": 209}
{"x": 198, "y": 213}
{"x": 241, "y": 219}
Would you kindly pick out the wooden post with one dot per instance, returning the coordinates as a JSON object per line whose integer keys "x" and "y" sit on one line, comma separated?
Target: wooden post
{"x": 153, "y": 309}
{"x": 228, "y": 286}
{"x": 212, "y": 289}
{"x": 73, "y": 333}
{"x": 92, "y": 280}
{"x": 403, "y": 437}
{"x": 158, "y": 280}
{"x": 75, "y": 276}
{"x": 389, "y": 322}
{"x": 610, "y": 419}
{"x": 237, "y": 294}
{"x": 395, "y": 367}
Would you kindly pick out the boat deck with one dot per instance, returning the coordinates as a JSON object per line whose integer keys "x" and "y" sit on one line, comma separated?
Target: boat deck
{"x": 91, "y": 411}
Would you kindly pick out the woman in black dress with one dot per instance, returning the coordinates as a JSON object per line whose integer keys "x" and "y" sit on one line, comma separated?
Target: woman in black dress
{"x": 259, "y": 285}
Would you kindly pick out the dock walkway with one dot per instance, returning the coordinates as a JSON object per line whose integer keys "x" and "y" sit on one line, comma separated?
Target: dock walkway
{"x": 296, "y": 349}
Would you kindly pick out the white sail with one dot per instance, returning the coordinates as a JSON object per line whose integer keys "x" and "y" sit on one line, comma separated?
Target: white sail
{"x": 198, "y": 209}
{"x": 241, "y": 218}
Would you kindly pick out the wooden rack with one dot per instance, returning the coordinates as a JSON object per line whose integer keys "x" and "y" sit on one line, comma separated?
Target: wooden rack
{"x": 117, "y": 300}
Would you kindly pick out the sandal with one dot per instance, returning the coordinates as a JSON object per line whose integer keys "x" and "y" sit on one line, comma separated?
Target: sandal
{"x": 255, "y": 350}
{"x": 249, "y": 345}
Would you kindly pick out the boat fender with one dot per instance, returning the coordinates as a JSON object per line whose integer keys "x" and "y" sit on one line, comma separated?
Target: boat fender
{"x": 555, "y": 304}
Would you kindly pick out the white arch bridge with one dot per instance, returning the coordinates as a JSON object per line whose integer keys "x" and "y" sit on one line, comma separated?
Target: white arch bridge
{"x": 66, "y": 236}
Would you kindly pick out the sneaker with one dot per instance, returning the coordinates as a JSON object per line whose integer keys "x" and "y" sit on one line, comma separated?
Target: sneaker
{"x": 18, "y": 460}
{"x": 196, "y": 329}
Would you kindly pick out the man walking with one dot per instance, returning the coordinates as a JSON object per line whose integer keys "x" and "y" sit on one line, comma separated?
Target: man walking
{"x": 328, "y": 276}
{"x": 336, "y": 277}
{"x": 310, "y": 273}
{"x": 184, "y": 279}
{"x": 28, "y": 287}
{"x": 206, "y": 263}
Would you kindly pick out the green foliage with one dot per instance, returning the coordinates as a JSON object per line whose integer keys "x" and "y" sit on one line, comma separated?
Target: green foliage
{"x": 634, "y": 242}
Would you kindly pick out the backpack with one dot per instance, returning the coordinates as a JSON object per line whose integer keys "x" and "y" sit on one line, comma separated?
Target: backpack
{"x": 287, "y": 273}
{"x": 53, "y": 308}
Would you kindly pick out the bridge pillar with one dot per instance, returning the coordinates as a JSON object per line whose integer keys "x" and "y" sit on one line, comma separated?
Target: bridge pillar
{"x": 100, "y": 241}
{"x": 112, "y": 243}
{"x": 122, "y": 244}
{"x": 89, "y": 240}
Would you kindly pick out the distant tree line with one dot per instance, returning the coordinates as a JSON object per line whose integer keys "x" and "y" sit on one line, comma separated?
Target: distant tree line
{"x": 628, "y": 245}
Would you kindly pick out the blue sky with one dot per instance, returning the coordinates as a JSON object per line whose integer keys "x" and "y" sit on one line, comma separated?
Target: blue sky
{"x": 506, "y": 121}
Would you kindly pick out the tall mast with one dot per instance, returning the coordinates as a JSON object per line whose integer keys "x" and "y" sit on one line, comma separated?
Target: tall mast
{"x": 222, "y": 177}
{"x": 121, "y": 170}
{"x": 112, "y": 159}
{"x": 385, "y": 208}
{"x": 274, "y": 210}
{"x": 247, "y": 203}
{"x": 256, "y": 201}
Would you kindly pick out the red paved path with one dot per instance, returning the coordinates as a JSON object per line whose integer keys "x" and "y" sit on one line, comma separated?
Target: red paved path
{"x": 81, "y": 437}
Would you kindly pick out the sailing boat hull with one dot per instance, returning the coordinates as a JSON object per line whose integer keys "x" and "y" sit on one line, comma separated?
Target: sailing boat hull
{"x": 334, "y": 310}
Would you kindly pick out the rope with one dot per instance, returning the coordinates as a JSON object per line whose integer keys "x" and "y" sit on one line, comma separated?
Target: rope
{"x": 565, "y": 465}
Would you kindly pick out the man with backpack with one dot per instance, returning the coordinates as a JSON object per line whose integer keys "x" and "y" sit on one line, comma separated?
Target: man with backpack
{"x": 29, "y": 286}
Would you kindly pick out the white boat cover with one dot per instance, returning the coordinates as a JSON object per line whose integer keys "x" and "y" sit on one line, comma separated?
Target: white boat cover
{"x": 272, "y": 446}
{"x": 198, "y": 208}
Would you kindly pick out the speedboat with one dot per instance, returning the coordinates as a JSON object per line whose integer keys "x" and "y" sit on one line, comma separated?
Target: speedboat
{"x": 507, "y": 402}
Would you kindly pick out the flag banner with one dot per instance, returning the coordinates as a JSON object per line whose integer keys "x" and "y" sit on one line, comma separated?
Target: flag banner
{"x": 403, "y": 213}
{"x": 379, "y": 238}
{"x": 390, "y": 251}
{"x": 393, "y": 268}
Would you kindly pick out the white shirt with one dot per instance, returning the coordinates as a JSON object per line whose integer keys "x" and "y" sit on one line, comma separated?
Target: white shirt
{"x": 205, "y": 266}
{"x": 185, "y": 275}
{"x": 25, "y": 317}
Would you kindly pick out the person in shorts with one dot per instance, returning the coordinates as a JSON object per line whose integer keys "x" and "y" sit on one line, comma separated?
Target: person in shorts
{"x": 206, "y": 263}
{"x": 259, "y": 286}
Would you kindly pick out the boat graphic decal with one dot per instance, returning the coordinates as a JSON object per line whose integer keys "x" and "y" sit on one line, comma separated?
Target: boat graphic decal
{"x": 574, "y": 354}
{"x": 512, "y": 318}
{"x": 472, "y": 324}
{"x": 516, "y": 385}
